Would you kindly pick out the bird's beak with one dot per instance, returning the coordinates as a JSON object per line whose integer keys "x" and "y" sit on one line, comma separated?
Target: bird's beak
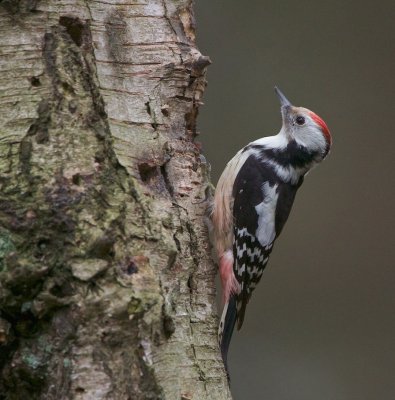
{"x": 283, "y": 100}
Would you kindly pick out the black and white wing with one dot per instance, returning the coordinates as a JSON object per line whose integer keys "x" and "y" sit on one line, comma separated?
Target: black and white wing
{"x": 262, "y": 203}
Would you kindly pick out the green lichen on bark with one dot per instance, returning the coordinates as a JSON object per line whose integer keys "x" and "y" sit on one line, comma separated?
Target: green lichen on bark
{"x": 6, "y": 245}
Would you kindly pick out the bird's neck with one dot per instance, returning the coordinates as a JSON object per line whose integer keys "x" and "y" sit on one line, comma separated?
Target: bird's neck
{"x": 289, "y": 159}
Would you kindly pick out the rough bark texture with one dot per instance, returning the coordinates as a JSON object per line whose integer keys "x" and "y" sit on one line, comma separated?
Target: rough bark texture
{"x": 106, "y": 285}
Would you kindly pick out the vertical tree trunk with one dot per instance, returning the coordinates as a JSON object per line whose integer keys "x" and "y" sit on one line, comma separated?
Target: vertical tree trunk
{"x": 106, "y": 286}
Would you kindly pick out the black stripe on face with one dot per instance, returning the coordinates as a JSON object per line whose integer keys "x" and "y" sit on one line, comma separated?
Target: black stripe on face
{"x": 293, "y": 154}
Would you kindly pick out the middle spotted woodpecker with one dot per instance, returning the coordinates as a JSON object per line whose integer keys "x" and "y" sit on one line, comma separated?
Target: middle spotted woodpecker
{"x": 252, "y": 202}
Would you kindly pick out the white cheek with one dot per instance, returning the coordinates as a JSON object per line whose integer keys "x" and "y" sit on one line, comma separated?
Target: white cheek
{"x": 311, "y": 137}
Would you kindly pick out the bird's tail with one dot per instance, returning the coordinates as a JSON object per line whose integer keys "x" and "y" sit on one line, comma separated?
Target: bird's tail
{"x": 226, "y": 326}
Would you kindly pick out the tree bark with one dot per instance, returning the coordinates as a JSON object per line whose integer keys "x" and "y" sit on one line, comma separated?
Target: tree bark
{"x": 106, "y": 284}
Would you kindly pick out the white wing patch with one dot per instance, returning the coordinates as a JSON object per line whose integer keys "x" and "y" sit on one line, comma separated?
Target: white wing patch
{"x": 266, "y": 211}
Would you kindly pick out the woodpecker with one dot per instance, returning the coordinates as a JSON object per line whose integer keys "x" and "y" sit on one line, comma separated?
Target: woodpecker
{"x": 252, "y": 202}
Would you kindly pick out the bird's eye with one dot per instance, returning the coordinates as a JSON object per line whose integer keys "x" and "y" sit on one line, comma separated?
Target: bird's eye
{"x": 300, "y": 120}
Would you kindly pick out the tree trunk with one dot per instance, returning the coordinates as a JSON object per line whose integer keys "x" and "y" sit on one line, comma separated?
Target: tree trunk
{"x": 106, "y": 284}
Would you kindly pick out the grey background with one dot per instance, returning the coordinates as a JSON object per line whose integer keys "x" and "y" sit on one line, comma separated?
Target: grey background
{"x": 321, "y": 324}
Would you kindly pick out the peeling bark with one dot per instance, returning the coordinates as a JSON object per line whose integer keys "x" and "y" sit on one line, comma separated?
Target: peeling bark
{"x": 106, "y": 284}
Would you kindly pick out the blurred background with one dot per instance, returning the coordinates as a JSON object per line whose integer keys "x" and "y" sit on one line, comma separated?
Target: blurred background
{"x": 321, "y": 324}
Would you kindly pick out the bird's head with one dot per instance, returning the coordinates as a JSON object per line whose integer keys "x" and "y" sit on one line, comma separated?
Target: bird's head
{"x": 304, "y": 127}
